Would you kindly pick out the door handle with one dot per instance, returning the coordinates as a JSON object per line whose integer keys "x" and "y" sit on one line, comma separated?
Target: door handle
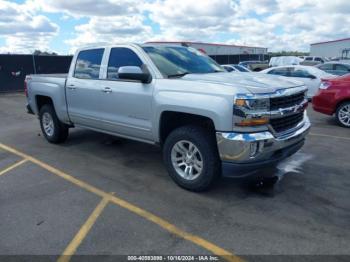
{"x": 107, "y": 90}
{"x": 72, "y": 87}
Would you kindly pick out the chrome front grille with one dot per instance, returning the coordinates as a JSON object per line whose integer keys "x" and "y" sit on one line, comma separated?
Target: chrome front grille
{"x": 285, "y": 123}
{"x": 286, "y": 101}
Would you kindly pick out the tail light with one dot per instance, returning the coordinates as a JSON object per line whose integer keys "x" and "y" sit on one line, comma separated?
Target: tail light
{"x": 25, "y": 88}
{"x": 26, "y": 85}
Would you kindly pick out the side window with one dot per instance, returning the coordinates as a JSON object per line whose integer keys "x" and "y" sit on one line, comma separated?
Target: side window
{"x": 300, "y": 73}
{"x": 279, "y": 71}
{"x": 326, "y": 67}
{"x": 341, "y": 68}
{"x": 121, "y": 56}
{"x": 240, "y": 68}
{"x": 319, "y": 59}
{"x": 228, "y": 68}
{"x": 308, "y": 59}
{"x": 88, "y": 64}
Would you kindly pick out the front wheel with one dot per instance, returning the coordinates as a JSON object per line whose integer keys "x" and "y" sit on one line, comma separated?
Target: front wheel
{"x": 191, "y": 157}
{"x": 343, "y": 114}
{"x": 53, "y": 129}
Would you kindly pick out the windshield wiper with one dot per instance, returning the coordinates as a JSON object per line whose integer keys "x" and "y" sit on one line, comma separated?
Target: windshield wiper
{"x": 178, "y": 75}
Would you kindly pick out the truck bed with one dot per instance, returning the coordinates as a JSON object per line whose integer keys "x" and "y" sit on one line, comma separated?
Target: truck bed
{"x": 51, "y": 86}
{"x": 50, "y": 75}
{"x": 58, "y": 80}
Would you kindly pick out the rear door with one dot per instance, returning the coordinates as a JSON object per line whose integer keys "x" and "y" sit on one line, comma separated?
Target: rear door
{"x": 127, "y": 104}
{"x": 84, "y": 96}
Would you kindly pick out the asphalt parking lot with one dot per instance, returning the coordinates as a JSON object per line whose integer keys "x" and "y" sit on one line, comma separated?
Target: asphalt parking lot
{"x": 100, "y": 195}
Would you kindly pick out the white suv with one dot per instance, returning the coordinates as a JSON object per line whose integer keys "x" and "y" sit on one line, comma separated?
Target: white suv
{"x": 313, "y": 60}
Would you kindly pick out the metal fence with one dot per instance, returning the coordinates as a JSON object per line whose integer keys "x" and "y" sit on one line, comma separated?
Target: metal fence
{"x": 14, "y": 68}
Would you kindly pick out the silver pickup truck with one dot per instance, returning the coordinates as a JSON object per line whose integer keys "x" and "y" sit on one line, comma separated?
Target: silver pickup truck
{"x": 207, "y": 121}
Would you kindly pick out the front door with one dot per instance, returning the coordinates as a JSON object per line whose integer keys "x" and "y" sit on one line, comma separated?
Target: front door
{"x": 127, "y": 107}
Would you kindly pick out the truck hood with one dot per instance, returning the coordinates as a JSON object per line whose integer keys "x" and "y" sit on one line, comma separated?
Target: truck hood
{"x": 255, "y": 82}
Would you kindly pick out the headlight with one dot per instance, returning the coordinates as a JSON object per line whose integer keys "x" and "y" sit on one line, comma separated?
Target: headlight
{"x": 262, "y": 104}
{"x": 244, "y": 107}
{"x": 325, "y": 85}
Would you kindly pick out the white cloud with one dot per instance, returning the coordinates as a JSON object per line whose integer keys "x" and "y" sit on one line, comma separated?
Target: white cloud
{"x": 26, "y": 43}
{"x": 22, "y": 30}
{"x": 108, "y": 30}
{"x": 276, "y": 24}
{"x": 290, "y": 25}
{"x": 181, "y": 19}
{"x": 90, "y": 8}
{"x": 257, "y": 6}
{"x": 109, "y": 20}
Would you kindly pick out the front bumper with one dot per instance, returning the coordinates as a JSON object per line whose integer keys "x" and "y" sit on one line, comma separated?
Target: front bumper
{"x": 324, "y": 102}
{"x": 242, "y": 153}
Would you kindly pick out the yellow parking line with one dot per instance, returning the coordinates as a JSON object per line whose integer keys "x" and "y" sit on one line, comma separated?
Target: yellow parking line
{"x": 132, "y": 208}
{"x": 176, "y": 231}
{"x": 338, "y": 137}
{"x": 13, "y": 166}
{"x": 83, "y": 231}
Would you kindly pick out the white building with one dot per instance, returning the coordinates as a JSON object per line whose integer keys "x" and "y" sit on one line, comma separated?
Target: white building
{"x": 333, "y": 48}
{"x": 219, "y": 49}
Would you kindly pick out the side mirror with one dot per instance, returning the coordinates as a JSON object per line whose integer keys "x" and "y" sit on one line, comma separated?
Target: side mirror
{"x": 135, "y": 73}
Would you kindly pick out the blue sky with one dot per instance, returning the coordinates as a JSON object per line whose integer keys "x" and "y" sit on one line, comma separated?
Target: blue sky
{"x": 62, "y": 26}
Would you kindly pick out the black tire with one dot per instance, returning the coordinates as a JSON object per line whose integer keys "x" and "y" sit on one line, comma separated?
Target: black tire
{"x": 60, "y": 130}
{"x": 337, "y": 113}
{"x": 205, "y": 142}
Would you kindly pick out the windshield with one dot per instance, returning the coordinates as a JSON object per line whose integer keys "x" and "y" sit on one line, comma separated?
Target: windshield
{"x": 178, "y": 61}
{"x": 241, "y": 68}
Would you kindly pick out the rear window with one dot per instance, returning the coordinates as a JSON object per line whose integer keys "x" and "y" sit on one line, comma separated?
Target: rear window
{"x": 88, "y": 64}
{"x": 299, "y": 73}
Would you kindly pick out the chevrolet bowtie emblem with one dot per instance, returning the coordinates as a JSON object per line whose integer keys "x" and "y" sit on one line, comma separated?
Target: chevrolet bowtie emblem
{"x": 296, "y": 108}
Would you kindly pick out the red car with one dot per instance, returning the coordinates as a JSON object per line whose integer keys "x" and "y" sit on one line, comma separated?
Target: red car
{"x": 333, "y": 97}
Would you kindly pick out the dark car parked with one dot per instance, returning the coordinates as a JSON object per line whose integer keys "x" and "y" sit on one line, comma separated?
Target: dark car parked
{"x": 335, "y": 68}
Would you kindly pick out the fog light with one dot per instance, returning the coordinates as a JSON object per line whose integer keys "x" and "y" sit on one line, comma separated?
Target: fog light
{"x": 255, "y": 148}
{"x": 253, "y": 122}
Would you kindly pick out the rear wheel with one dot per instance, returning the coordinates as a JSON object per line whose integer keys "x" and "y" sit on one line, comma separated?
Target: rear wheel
{"x": 343, "y": 114}
{"x": 191, "y": 157}
{"x": 53, "y": 129}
